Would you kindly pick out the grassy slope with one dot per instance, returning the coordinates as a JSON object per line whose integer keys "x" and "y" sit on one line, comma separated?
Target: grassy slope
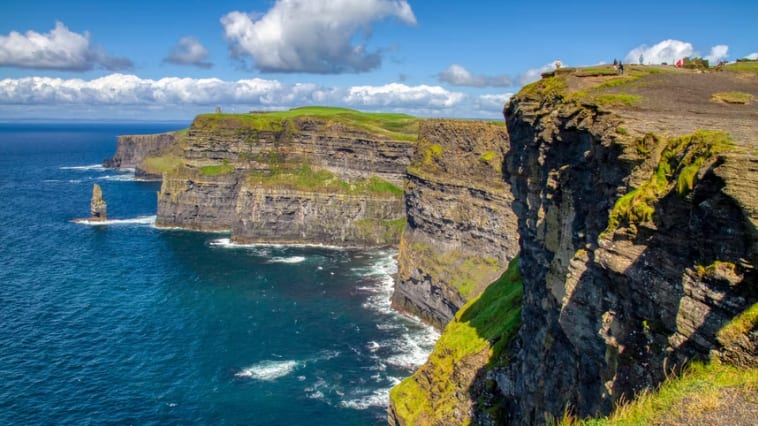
{"x": 703, "y": 390}
{"x": 486, "y": 323}
{"x": 396, "y": 126}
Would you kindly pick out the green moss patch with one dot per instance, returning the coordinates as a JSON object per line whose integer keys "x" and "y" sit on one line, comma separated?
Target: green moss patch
{"x": 680, "y": 162}
{"x": 484, "y": 325}
{"x": 739, "y": 98}
{"x": 465, "y": 273}
{"x": 158, "y": 165}
{"x": 216, "y": 169}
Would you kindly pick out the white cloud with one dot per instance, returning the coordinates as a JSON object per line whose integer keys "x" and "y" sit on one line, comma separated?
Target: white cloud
{"x": 312, "y": 36}
{"x": 456, "y": 75}
{"x": 59, "y": 49}
{"x": 189, "y": 51}
{"x": 116, "y": 91}
{"x": 718, "y": 53}
{"x": 396, "y": 94}
{"x": 535, "y": 74}
{"x": 492, "y": 102}
{"x": 668, "y": 51}
{"x": 753, "y": 56}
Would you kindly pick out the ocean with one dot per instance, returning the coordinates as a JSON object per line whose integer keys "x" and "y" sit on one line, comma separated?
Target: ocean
{"x": 124, "y": 323}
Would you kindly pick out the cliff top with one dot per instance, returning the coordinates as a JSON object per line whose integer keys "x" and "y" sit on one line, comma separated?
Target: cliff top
{"x": 656, "y": 99}
{"x": 394, "y": 126}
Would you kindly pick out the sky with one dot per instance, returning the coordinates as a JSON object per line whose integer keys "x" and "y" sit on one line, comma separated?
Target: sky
{"x": 161, "y": 60}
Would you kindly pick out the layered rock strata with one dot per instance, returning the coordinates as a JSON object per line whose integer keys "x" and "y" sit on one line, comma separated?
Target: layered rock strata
{"x": 461, "y": 230}
{"x": 132, "y": 150}
{"x": 97, "y": 207}
{"x": 295, "y": 180}
{"x": 621, "y": 291}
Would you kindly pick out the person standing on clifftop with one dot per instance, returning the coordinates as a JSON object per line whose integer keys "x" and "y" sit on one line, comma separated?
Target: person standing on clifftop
{"x": 621, "y": 67}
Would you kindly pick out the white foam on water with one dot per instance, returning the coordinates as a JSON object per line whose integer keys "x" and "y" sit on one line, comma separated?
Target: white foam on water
{"x": 127, "y": 177}
{"x": 412, "y": 348}
{"x": 377, "y": 398}
{"x": 227, "y": 243}
{"x": 98, "y": 167}
{"x": 268, "y": 370}
{"x": 141, "y": 220}
{"x": 292, "y": 259}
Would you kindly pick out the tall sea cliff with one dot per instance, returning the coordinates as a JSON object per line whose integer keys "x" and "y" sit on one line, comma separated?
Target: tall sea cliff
{"x": 593, "y": 247}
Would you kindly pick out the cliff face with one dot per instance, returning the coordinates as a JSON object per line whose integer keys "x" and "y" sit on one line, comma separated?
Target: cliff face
{"x": 461, "y": 230}
{"x": 287, "y": 180}
{"x": 132, "y": 150}
{"x": 637, "y": 253}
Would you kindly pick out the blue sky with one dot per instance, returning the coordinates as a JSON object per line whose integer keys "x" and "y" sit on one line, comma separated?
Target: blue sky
{"x": 172, "y": 60}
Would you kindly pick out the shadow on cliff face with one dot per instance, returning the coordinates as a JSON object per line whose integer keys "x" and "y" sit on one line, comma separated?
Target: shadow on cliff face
{"x": 644, "y": 305}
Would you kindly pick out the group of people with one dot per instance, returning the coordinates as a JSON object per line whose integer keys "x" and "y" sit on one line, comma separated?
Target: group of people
{"x": 618, "y": 66}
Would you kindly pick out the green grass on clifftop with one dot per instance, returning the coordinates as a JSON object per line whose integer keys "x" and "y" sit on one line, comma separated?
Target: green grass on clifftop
{"x": 396, "y": 126}
{"x": 710, "y": 393}
{"x": 486, "y": 323}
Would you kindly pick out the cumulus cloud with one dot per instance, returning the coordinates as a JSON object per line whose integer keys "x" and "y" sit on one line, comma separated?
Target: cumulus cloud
{"x": 124, "y": 89}
{"x": 670, "y": 51}
{"x": 189, "y": 51}
{"x": 753, "y": 56}
{"x": 535, "y": 74}
{"x": 396, "y": 94}
{"x": 718, "y": 53}
{"x": 456, "y": 75}
{"x": 492, "y": 102}
{"x": 59, "y": 49}
{"x": 312, "y": 36}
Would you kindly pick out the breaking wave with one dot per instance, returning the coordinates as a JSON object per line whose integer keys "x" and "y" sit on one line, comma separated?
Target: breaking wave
{"x": 142, "y": 220}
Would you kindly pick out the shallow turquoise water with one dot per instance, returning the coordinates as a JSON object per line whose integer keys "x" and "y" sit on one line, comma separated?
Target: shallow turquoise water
{"x": 125, "y": 323}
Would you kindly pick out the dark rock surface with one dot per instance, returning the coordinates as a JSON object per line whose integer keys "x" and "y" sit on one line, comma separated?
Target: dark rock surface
{"x": 461, "y": 230}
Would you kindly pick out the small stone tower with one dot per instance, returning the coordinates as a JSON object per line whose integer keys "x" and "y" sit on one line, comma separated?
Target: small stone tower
{"x": 97, "y": 206}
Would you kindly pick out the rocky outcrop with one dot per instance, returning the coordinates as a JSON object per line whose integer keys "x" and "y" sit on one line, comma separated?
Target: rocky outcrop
{"x": 287, "y": 180}
{"x": 132, "y": 150}
{"x": 97, "y": 207}
{"x": 636, "y": 253}
{"x": 461, "y": 230}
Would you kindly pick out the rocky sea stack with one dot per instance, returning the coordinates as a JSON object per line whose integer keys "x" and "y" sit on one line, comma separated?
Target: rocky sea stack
{"x": 97, "y": 207}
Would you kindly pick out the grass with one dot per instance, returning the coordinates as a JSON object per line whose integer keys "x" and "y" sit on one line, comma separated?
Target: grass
{"x": 306, "y": 178}
{"x": 680, "y": 162}
{"x": 740, "y": 325}
{"x": 599, "y": 71}
{"x": 216, "y": 169}
{"x": 750, "y": 67}
{"x": 739, "y": 98}
{"x": 396, "y": 126}
{"x": 617, "y": 100}
{"x": 486, "y": 323}
{"x": 158, "y": 165}
{"x": 699, "y": 390}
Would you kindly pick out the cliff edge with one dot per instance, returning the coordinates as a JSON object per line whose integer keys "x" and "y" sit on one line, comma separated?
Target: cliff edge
{"x": 636, "y": 204}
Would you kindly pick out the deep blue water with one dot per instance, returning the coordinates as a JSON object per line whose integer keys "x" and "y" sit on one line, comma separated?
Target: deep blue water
{"x": 128, "y": 324}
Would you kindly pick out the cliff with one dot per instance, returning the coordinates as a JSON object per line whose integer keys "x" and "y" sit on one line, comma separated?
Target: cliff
{"x": 461, "y": 230}
{"x": 132, "y": 150}
{"x": 309, "y": 175}
{"x": 636, "y": 204}
{"x": 638, "y": 238}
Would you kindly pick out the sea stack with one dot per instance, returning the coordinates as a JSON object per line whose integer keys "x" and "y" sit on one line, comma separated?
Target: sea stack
{"x": 97, "y": 206}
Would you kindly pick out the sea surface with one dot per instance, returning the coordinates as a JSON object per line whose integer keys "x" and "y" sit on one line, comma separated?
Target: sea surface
{"x": 124, "y": 323}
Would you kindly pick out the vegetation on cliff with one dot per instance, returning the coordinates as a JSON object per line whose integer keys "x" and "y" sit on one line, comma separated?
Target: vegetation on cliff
{"x": 306, "y": 178}
{"x": 396, "y": 126}
{"x": 705, "y": 393}
{"x": 442, "y": 390}
{"x": 680, "y": 161}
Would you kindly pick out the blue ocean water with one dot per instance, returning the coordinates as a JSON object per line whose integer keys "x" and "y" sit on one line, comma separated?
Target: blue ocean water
{"x": 128, "y": 324}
